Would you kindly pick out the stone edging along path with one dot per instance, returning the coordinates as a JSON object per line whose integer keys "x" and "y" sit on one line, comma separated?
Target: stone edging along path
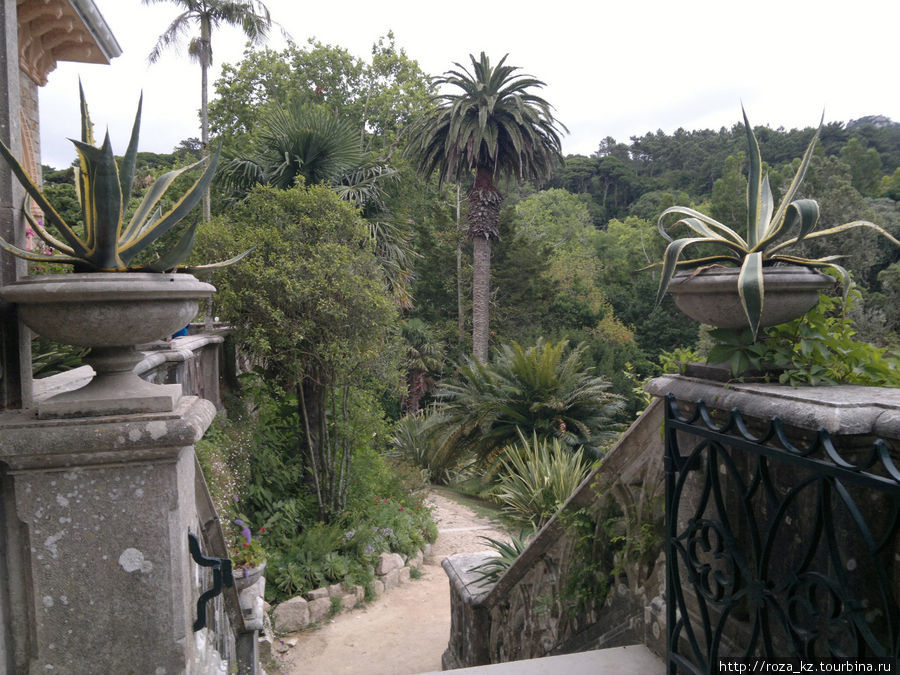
{"x": 403, "y": 631}
{"x": 310, "y": 608}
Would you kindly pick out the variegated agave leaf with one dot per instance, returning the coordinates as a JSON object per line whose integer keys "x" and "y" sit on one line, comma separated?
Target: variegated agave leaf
{"x": 103, "y": 187}
{"x": 766, "y": 228}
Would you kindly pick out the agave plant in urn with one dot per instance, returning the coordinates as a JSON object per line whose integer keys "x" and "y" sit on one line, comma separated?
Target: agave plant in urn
{"x": 754, "y": 280}
{"x": 111, "y": 303}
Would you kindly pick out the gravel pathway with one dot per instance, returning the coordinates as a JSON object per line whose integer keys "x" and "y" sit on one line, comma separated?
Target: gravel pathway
{"x": 406, "y": 630}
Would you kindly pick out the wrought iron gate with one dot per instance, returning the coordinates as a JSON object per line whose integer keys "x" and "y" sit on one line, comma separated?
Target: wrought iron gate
{"x": 774, "y": 550}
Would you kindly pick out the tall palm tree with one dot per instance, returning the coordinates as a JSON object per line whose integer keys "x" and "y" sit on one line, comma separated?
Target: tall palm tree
{"x": 251, "y": 16}
{"x": 493, "y": 126}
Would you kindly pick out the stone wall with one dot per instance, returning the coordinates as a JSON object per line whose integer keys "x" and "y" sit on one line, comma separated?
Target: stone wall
{"x": 536, "y": 608}
{"x": 193, "y": 361}
{"x": 530, "y": 611}
{"x": 95, "y": 571}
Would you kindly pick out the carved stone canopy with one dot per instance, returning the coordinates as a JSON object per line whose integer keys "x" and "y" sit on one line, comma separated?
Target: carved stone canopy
{"x": 61, "y": 30}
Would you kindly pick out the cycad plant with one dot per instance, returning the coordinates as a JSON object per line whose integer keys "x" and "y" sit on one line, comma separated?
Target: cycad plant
{"x": 103, "y": 186}
{"x": 770, "y": 231}
{"x": 544, "y": 389}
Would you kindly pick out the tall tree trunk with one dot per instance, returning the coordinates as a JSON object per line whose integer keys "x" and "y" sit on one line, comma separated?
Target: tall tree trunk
{"x": 460, "y": 318}
{"x": 483, "y": 218}
{"x": 205, "y": 38}
{"x": 481, "y": 295}
{"x": 206, "y": 51}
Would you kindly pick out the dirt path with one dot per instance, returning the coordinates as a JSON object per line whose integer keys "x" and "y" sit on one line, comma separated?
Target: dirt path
{"x": 406, "y": 630}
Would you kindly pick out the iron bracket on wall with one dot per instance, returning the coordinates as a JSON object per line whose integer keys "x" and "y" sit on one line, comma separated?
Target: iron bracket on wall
{"x": 221, "y": 570}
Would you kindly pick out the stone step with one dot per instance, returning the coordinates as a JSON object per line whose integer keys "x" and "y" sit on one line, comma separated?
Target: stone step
{"x": 630, "y": 660}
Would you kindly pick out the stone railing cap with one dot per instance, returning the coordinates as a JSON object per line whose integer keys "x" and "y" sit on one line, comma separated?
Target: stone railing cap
{"x": 841, "y": 409}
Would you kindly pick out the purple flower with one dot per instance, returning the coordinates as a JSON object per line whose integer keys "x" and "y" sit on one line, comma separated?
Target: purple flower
{"x": 349, "y": 534}
{"x": 235, "y": 498}
{"x": 244, "y": 530}
{"x": 370, "y": 549}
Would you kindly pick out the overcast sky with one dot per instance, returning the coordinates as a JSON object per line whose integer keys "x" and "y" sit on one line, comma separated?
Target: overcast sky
{"x": 612, "y": 68}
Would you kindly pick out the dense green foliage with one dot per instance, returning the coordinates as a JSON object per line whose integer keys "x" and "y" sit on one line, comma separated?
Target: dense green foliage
{"x": 256, "y": 476}
{"x": 311, "y": 305}
{"x": 356, "y": 312}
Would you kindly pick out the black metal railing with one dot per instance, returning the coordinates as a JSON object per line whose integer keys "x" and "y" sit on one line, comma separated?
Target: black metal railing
{"x": 775, "y": 550}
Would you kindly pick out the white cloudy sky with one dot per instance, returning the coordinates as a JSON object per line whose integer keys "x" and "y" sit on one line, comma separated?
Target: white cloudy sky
{"x": 612, "y": 68}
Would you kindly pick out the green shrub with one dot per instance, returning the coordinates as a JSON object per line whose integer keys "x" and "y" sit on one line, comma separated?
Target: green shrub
{"x": 537, "y": 478}
{"x": 418, "y": 440}
{"x": 818, "y": 348}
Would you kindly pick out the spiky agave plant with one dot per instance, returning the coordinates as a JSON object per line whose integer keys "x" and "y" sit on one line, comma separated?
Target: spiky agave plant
{"x": 104, "y": 187}
{"x": 768, "y": 230}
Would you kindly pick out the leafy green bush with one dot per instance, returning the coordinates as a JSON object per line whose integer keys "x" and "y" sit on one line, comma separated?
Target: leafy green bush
{"x": 537, "y": 478}
{"x": 346, "y": 552}
{"x": 49, "y": 358}
{"x": 818, "y": 348}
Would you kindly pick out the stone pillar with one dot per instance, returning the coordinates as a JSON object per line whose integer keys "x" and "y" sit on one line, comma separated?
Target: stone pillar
{"x": 97, "y": 519}
{"x": 15, "y": 344}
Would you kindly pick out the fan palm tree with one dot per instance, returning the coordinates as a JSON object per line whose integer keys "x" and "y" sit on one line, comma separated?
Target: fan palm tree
{"x": 492, "y": 126}
{"x": 302, "y": 140}
{"x": 315, "y": 143}
{"x": 251, "y": 16}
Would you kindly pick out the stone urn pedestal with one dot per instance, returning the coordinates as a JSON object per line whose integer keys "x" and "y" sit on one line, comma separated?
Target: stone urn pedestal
{"x": 111, "y": 313}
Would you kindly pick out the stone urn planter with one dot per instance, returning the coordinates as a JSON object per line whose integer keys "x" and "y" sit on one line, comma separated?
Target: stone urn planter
{"x": 245, "y": 577}
{"x": 111, "y": 313}
{"x": 711, "y": 296}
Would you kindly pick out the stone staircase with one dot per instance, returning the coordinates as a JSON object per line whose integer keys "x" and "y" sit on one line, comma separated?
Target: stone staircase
{"x": 555, "y": 602}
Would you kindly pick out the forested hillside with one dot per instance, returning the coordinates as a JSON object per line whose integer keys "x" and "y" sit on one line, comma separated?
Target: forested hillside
{"x": 566, "y": 263}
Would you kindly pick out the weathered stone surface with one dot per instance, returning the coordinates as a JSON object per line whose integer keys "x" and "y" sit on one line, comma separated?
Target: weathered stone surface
{"x": 106, "y": 503}
{"x": 360, "y": 593}
{"x": 291, "y": 615}
{"x": 318, "y": 609}
{"x": 348, "y": 601}
{"x": 388, "y": 562}
{"x": 378, "y": 587}
{"x": 391, "y": 579}
{"x": 316, "y": 594}
{"x": 846, "y": 410}
{"x": 336, "y": 591}
{"x": 403, "y": 575}
{"x": 511, "y": 620}
{"x": 416, "y": 560}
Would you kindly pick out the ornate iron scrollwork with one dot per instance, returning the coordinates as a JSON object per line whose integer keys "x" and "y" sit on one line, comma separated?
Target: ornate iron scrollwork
{"x": 774, "y": 550}
{"x": 221, "y": 571}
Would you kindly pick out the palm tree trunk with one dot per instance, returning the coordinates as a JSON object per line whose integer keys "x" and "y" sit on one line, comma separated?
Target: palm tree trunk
{"x": 481, "y": 292}
{"x": 460, "y": 319}
{"x": 205, "y": 37}
{"x": 204, "y": 108}
{"x": 483, "y": 218}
